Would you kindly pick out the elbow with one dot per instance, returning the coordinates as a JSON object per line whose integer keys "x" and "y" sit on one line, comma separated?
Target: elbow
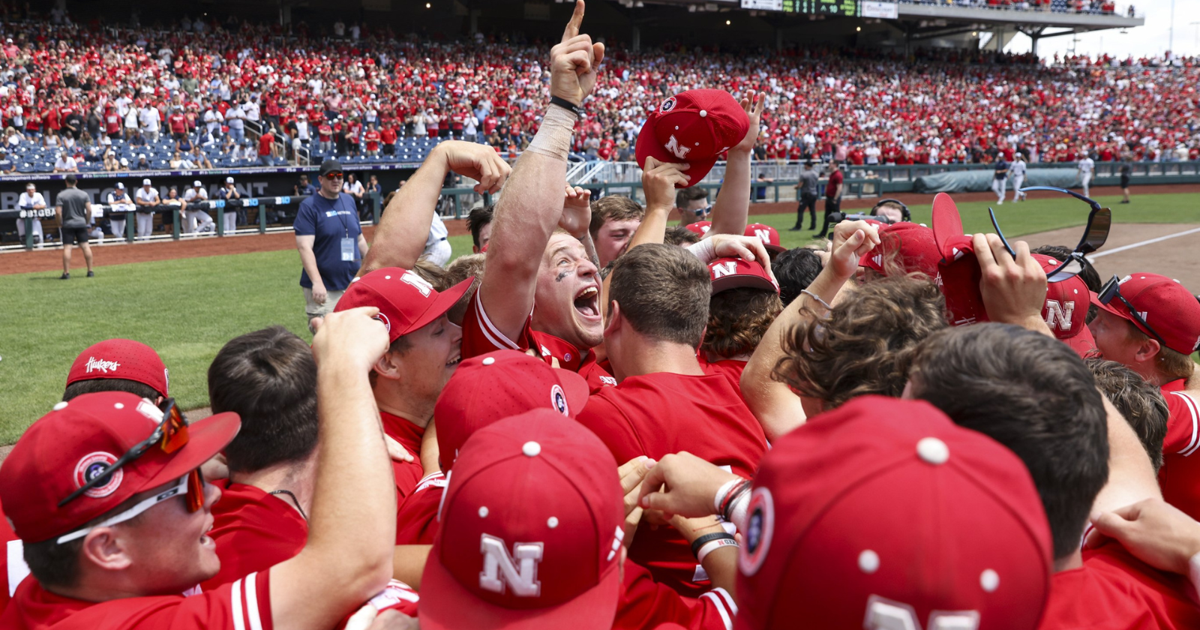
{"x": 372, "y": 576}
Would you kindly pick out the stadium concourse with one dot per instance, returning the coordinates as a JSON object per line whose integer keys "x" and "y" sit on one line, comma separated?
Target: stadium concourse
{"x": 599, "y": 420}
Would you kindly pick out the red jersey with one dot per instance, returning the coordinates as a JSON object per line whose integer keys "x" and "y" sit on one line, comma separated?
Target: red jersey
{"x": 12, "y": 562}
{"x": 372, "y": 138}
{"x": 242, "y": 604}
{"x": 730, "y": 368}
{"x": 254, "y": 531}
{"x": 416, "y": 519}
{"x": 408, "y": 474}
{"x": 645, "y": 603}
{"x": 835, "y": 182}
{"x": 1180, "y": 473}
{"x": 480, "y": 336}
{"x": 1113, "y": 590}
{"x": 658, "y": 414}
{"x": 178, "y": 123}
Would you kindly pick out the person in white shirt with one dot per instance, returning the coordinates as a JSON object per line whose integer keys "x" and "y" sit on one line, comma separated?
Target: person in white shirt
{"x": 119, "y": 203}
{"x": 146, "y": 198}
{"x": 1017, "y": 170}
{"x": 65, "y": 164}
{"x": 213, "y": 120}
{"x": 355, "y": 189}
{"x": 149, "y": 118}
{"x": 437, "y": 248}
{"x": 131, "y": 121}
{"x": 1086, "y": 168}
{"x": 195, "y": 219}
{"x": 31, "y": 201}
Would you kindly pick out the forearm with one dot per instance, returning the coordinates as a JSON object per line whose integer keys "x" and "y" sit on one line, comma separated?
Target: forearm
{"x": 1131, "y": 476}
{"x": 653, "y": 228}
{"x": 402, "y": 231}
{"x": 364, "y": 248}
{"x": 309, "y": 261}
{"x": 721, "y": 567}
{"x": 732, "y": 206}
{"x": 408, "y": 563}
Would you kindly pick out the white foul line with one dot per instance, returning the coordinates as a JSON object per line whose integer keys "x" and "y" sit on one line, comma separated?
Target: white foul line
{"x": 1149, "y": 242}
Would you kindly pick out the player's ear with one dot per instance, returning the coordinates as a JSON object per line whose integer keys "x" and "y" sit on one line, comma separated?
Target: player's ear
{"x": 104, "y": 548}
{"x": 1148, "y": 349}
{"x": 613, "y": 319}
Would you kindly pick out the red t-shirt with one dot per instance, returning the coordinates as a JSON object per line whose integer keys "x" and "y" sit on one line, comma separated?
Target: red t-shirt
{"x": 408, "y": 474}
{"x": 372, "y": 138}
{"x": 662, "y": 413}
{"x": 729, "y": 368}
{"x": 645, "y": 603}
{"x": 254, "y": 531}
{"x": 416, "y": 519}
{"x": 1180, "y": 473}
{"x": 264, "y": 143}
{"x": 1113, "y": 590}
{"x": 237, "y": 606}
{"x": 835, "y": 182}
{"x": 480, "y": 336}
{"x": 178, "y": 123}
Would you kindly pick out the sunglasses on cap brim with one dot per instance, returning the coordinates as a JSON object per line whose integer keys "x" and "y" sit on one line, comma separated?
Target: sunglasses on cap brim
{"x": 1112, "y": 290}
{"x": 1095, "y": 234}
{"x": 190, "y": 486}
{"x": 170, "y": 435}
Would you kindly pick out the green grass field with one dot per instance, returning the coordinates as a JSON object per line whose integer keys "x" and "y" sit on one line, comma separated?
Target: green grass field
{"x": 187, "y": 309}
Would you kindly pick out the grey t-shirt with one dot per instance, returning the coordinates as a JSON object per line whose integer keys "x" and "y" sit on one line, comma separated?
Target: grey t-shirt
{"x": 808, "y": 182}
{"x": 74, "y": 205}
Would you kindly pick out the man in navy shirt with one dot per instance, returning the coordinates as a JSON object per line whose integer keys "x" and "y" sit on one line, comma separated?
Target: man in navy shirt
{"x": 330, "y": 241}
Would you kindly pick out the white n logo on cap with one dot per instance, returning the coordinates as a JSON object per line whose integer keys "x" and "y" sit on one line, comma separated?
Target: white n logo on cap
{"x": 500, "y": 568}
{"x": 720, "y": 270}
{"x": 763, "y": 236}
{"x": 674, "y": 147}
{"x": 885, "y": 614}
{"x": 417, "y": 282}
{"x": 1058, "y": 314}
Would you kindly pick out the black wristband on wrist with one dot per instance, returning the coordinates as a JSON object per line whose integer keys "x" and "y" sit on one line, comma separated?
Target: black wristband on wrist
{"x": 567, "y": 105}
{"x": 707, "y": 538}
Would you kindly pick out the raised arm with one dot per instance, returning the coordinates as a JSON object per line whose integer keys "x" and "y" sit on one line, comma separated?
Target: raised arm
{"x": 532, "y": 202}
{"x": 351, "y": 536}
{"x": 732, "y": 206}
{"x": 777, "y": 408}
{"x": 400, "y": 237}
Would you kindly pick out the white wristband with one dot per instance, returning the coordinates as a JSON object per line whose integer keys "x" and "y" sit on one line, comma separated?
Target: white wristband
{"x": 712, "y": 546}
{"x": 553, "y": 137}
{"x": 738, "y": 513}
{"x": 1194, "y": 576}
{"x": 721, "y": 492}
{"x": 704, "y": 250}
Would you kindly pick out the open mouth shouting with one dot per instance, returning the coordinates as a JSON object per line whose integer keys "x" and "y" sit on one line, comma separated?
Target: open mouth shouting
{"x": 587, "y": 303}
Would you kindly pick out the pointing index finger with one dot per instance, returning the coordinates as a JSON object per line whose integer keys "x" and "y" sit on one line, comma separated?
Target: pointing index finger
{"x": 576, "y": 21}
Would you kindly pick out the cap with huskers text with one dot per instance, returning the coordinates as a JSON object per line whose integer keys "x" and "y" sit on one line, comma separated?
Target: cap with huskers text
{"x": 529, "y": 531}
{"x": 121, "y": 358}
{"x": 913, "y": 522}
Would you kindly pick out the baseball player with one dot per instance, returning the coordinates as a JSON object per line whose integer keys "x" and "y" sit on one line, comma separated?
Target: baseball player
{"x": 1017, "y": 170}
{"x": 119, "y": 204}
{"x": 146, "y": 199}
{"x": 1000, "y": 178}
{"x": 197, "y": 220}
{"x": 31, "y": 200}
{"x": 1086, "y": 168}
{"x": 229, "y": 192}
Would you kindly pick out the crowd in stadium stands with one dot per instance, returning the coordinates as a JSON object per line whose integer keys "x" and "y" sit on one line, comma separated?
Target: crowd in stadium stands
{"x": 92, "y": 98}
{"x": 1106, "y": 7}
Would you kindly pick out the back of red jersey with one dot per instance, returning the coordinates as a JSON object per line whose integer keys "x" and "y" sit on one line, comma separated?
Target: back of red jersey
{"x": 254, "y": 531}
{"x": 416, "y": 518}
{"x": 1180, "y": 473}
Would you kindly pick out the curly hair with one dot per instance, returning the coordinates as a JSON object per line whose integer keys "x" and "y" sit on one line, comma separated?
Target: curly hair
{"x": 738, "y": 319}
{"x": 867, "y": 343}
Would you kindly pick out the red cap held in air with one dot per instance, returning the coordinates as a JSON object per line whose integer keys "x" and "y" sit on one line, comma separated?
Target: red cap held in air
{"x": 695, "y": 127}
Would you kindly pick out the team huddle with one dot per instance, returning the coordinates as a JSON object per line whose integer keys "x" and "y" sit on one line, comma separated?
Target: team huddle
{"x": 602, "y": 421}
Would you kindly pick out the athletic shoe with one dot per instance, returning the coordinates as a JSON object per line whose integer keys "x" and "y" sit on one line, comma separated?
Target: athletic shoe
{"x": 796, "y": 228}
{"x": 65, "y": 276}
{"x": 91, "y": 274}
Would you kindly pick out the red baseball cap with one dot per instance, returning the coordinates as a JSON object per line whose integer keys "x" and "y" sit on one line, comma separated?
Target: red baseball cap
{"x": 1164, "y": 304}
{"x": 696, "y": 127}
{"x": 529, "y": 531}
{"x": 121, "y": 358}
{"x": 498, "y": 385}
{"x": 958, "y": 268}
{"x": 1066, "y": 308}
{"x": 916, "y": 248}
{"x": 889, "y": 534}
{"x": 768, "y": 235}
{"x": 406, "y": 301}
{"x": 732, "y": 273}
{"x": 69, "y": 446}
{"x": 699, "y": 228}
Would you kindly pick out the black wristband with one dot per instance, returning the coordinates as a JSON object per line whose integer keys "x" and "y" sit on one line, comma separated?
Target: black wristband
{"x": 707, "y": 538}
{"x": 567, "y": 105}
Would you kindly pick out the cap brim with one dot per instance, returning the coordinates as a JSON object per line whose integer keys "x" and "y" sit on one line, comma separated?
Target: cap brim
{"x": 447, "y": 605}
{"x": 444, "y": 302}
{"x": 742, "y": 280}
{"x": 206, "y": 438}
{"x": 774, "y": 249}
{"x": 648, "y": 146}
{"x": 1083, "y": 343}
{"x": 1123, "y": 314}
{"x": 947, "y": 223}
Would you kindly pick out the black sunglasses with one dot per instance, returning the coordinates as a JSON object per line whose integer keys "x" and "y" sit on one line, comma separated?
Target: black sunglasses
{"x": 1095, "y": 234}
{"x": 1112, "y": 289}
{"x": 171, "y": 435}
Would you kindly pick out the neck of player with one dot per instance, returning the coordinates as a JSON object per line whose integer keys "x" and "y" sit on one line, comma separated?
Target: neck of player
{"x": 391, "y": 397}
{"x": 294, "y": 477}
{"x": 650, "y": 357}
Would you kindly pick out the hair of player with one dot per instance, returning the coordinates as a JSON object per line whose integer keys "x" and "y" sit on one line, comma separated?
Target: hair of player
{"x": 457, "y": 271}
{"x": 687, "y": 195}
{"x": 269, "y": 378}
{"x": 93, "y": 385}
{"x": 435, "y": 275}
{"x": 678, "y": 235}
{"x": 794, "y": 269}
{"x": 867, "y": 343}
{"x": 1034, "y": 395}
{"x": 738, "y": 319}
{"x": 1171, "y": 364}
{"x": 478, "y": 219}
{"x": 663, "y": 292}
{"x": 614, "y": 208}
{"x": 1142, "y": 404}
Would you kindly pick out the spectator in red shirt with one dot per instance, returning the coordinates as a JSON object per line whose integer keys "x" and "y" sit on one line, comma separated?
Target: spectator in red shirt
{"x": 388, "y": 137}
{"x": 372, "y": 137}
{"x": 178, "y": 124}
{"x": 266, "y": 146}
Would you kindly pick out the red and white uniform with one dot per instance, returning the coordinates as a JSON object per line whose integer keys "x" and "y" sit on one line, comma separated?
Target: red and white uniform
{"x": 12, "y": 574}
{"x": 416, "y": 520}
{"x": 480, "y": 336}
{"x": 658, "y": 414}
{"x": 1180, "y": 473}
{"x": 254, "y": 531}
{"x": 243, "y": 604}
{"x": 408, "y": 474}
{"x": 1115, "y": 591}
{"x": 645, "y": 603}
